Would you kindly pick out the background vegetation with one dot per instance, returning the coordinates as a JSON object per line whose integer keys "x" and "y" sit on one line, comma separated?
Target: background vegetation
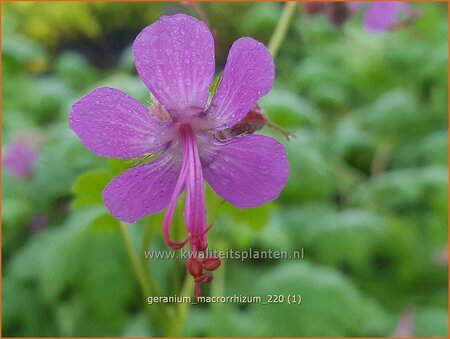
{"x": 367, "y": 197}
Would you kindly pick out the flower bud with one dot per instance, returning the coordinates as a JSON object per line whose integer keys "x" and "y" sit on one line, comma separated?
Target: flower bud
{"x": 205, "y": 278}
{"x": 337, "y": 13}
{"x": 194, "y": 267}
{"x": 211, "y": 264}
{"x": 313, "y": 8}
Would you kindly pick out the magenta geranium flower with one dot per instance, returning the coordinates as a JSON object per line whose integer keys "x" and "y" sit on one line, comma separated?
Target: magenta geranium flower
{"x": 20, "y": 159}
{"x": 378, "y": 16}
{"x": 382, "y": 16}
{"x": 175, "y": 59}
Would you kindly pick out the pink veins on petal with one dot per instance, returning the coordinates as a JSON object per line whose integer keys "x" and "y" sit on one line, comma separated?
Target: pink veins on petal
{"x": 175, "y": 59}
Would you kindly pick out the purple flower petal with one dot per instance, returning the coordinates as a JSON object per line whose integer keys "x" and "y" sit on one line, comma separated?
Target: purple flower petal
{"x": 175, "y": 59}
{"x": 142, "y": 190}
{"x": 381, "y": 16}
{"x": 112, "y": 124}
{"x": 248, "y": 171}
{"x": 249, "y": 74}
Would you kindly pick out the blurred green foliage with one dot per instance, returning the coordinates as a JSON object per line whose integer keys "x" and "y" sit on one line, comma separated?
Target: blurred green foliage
{"x": 367, "y": 196}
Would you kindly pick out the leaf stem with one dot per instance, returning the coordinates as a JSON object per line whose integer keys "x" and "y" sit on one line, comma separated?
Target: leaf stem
{"x": 282, "y": 26}
{"x": 160, "y": 318}
{"x": 182, "y": 308}
{"x": 218, "y": 284}
{"x": 381, "y": 158}
{"x": 145, "y": 246}
{"x": 134, "y": 259}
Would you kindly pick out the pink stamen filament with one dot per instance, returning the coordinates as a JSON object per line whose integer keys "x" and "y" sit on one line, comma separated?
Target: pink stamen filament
{"x": 195, "y": 209}
{"x": 179, "y": 187}
{"x": 191, "y": 178}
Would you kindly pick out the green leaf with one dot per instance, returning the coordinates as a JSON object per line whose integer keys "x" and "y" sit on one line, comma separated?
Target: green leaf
{"x": 18, "y": 49}
{"x": 132, "y": 85}
{"x": 138, "y": 326}
{"x": 311, "y": 176}
{"x": 69, "y": 260}
{"x": 75, "y": 69}
{"x": 393, "y": 114}
{"x": 405, "y": 188}
{"x": 287, "y": 109}
{"x": 89, "y": 187}
{"x": 60, "y": 162}
{"x": 344, "y": 311}
{"x": 431, "y": 322}
{"x": 260, "y": 20}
